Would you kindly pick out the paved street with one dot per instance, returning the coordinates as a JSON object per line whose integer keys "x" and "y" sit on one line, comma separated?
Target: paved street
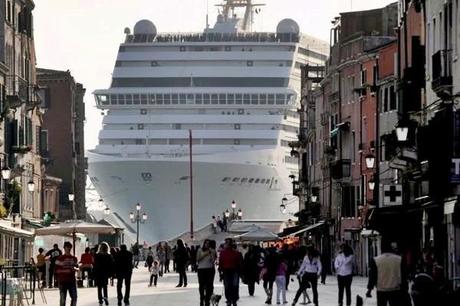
{"x": 167, "y": 295}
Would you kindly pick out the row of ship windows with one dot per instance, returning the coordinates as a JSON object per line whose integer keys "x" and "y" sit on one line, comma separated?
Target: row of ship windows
{"x": 254, "y": 99}
{"x": 185, "y": 141}
{"x": 240, "y": 111}
{"x": 248, "y": 180}
{"x": 180, "y": 126}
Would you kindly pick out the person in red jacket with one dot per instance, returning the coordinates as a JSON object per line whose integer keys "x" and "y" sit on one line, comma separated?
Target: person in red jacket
{"x": 66, "y": 266}
{"x": 230, "y": 263}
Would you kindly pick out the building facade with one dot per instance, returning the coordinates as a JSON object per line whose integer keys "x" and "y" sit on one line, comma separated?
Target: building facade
{"x": 20, "y": 122}
{"x": 63, "y": 139}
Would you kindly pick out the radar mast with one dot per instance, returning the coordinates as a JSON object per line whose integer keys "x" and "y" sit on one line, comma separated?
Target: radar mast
{"x": 228, "y": 11}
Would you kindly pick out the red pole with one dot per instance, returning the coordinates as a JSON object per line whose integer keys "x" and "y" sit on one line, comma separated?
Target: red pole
{"x": 191, "y": 185}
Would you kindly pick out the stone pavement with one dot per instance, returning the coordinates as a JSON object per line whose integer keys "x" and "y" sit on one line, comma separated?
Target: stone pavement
{"x": 165, "y": 294}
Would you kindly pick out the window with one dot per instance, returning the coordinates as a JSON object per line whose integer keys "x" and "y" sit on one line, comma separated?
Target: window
{"x": 140, "y": 141}
{"x": 113, "y": 99}
{"x": 393, "y": 101}
{"x": 152, "y": 99}
{"x": 182, "y": 49}
{"x": 231, "y": 99}
{"x": 121, "y": 99}
{"x": 198, "y": 99}
{"x": 144, "y": 99}
{"x": 129, "y": 99}
{"x": 159, "y": 99}
{"x": 279, "y": 99}
{"x": 237, "y": 126}
{"x": 177, "y": 126}
{"x": 246, "y": 99}
{"x": 140, "y": 126}
{"x": 363, "y": 77}
{"x": 228, "y": 48}
{"x": 136, "y": 99}
{"x": 271, "y": 99}
{"x": 143, "y": 111}
{"x": 206, "y": 99}
{"x": 254, "y": 99}
{"x": 239, "y": 99}
{"x": 241, "y": 111}
{"x": 214, "y": 99}
{"x": 222, "y": 99}
{"x": 182, "y": 98}
{"x": 167, "y": 99}
{"x": 175, "y": 99}
{"x": 263, "y": 99}
{"x": 353, "y": 147}
{"x": 236, "y": 141}
{"x": 250, "y": 63}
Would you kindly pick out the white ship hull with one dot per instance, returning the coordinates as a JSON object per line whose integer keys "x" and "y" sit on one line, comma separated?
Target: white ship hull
{"x": 166, "y": 197}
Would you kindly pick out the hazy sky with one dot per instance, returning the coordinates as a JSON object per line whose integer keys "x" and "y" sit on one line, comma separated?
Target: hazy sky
{"x": 83, "y": 35}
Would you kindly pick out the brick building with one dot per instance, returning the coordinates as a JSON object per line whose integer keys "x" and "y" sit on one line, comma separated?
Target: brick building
{"x": 63, "y": 138}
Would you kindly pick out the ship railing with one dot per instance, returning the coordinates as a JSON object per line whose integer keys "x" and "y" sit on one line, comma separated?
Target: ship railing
{"x": 224, "y": 37}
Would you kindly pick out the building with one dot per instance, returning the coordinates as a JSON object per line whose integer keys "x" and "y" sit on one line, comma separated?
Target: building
{"x": 20, "y": 121}
{"x": 63, "y": 138}
{"x": 441, "y": 222}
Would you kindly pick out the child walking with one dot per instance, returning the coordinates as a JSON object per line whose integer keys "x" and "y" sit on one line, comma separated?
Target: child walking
{"x": 154, "y": 271}
{"x": 281, "y": 281}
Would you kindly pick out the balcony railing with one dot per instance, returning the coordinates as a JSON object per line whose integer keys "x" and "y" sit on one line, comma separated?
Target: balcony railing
{"x": 442, "y": 71}
{"x": 19, "y": 91}
{"x": 341, "y": 169}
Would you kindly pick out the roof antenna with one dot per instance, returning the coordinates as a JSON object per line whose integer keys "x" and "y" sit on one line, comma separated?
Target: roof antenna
{"x": 207, "y": 14}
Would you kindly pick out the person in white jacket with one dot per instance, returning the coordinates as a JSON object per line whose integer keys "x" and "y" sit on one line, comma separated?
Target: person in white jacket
{"x": 344, "y": 268}
{"x": 309, "y": 272}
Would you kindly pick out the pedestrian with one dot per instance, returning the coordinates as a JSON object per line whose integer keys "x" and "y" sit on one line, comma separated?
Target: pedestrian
{"x": 103, "y": 270}
{"x": 161, "y": 257}
{"x": 206, "y": 260}
{"x": 230, "y": 263}
{"x": 309, "y": 272}
{"x": 269, "y": 273}
{"x": 136, "y": 253}
{"x": 41, "y": 268}
{"x": 385, "y": 273}
{"x": 251, "y": 271}
{"x": 123, "y": 271}
{"x": 66, "y": 266}
{"x": 193, "y": 251}
{"x": 343, "y": 265}
{"x": 86, "y": 265}
{"x": 181, "y": 258}
{"x": 220, "y": 224}
{"x": 214, "y": 224}
{"x": 168, "y": 256}
{"x": 52, "y": 255}
{"x": 154, "y": 271}
{"x": 281, "y": 271}
{"x": 149, "y": 259}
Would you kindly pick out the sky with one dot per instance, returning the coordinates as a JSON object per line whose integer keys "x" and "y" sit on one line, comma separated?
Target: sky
{"x": 83, "y": 35}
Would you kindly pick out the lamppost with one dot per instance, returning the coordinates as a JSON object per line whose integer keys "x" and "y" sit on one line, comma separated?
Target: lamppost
{"x": 138, "y": 217}
{"x": 6, "y": 175}
{"x": 235, "y": 214}
{"x": 71, "y": 197}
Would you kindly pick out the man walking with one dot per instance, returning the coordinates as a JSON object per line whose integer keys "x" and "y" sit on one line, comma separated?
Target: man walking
{"x": 66, "y": 266}
{"x": 385, "y": 273}
{"x": 230, "y": 263}
{"x": 52, "y": 255}
{"x": 124, "y": 271}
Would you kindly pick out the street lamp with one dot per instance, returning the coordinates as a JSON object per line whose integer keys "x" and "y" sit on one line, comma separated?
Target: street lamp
{"x": 370, "y": 161}
{"x": 402, "y": 131}
{"x": 371, "y": 184}
{"x": 71, "y": 197}
{"x": 138, "y": 217}
{"x": 240, "y": 214}
{"x": 226, "y": 213}
{"x": 31, "y": 186}
{"x": 107, "y": 211}
{"x": 314, "y": 198}
{"x": 6, "y": 173}
{"x": 233, "y": 205}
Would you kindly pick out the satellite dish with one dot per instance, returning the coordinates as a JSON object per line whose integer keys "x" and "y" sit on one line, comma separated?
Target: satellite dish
{"x": 287, "y": 26}
{"x": 144, "y": 31}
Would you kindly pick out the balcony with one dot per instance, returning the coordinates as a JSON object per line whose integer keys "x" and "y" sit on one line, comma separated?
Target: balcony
{"x": 442, "y": 73}
{"x": 334, "y": 97}
{"x": 19, "y": 91}
{"x": 341, "y": 169}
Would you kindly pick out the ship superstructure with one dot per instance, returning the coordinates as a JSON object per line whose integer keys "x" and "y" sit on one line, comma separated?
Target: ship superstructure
{"x": 235, "y": 91}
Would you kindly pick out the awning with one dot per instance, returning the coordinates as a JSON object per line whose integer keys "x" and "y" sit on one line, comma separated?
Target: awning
{"x": 6, "y": 228}
{"x": 334, "y": 132}
{"x": 369, "y": 233}
{"x": 306, "y": 229}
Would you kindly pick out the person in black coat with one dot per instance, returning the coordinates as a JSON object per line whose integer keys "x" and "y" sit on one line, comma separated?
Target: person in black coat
{"x": 181, "y": 258}
{"x": 251, "y": 269}
{"x": 103, "y": 270}
{"x": 123, "y": 271}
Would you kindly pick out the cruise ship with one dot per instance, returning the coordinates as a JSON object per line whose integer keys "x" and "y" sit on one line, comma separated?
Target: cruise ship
{"x": 222, "y": 102}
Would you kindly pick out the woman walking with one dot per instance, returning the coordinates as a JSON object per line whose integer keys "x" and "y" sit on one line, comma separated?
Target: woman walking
{"x": 103, "y": 269}
{"x": 281, "y": 271}
{"x": 344, "y": 267}
{"x": 269, "y": 273}
{"x": 181, "y": 258}
{"x": 206, "y": 259}
{"x": 309, "y": 272}
{"x": 251, "y": 271}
